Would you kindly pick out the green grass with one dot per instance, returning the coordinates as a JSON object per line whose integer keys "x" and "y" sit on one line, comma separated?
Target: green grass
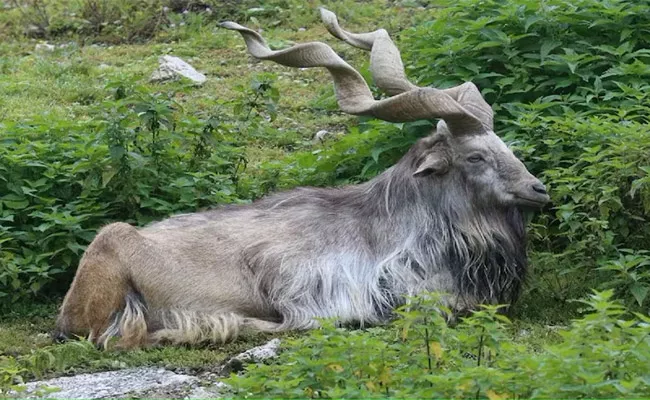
{"x": 24, "y": 335}
{"x": 69, "y": 81}
{"x": 27, "y": 329}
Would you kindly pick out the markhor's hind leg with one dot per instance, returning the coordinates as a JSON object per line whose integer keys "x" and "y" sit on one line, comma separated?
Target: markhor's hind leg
{"x": 100, "y": 286}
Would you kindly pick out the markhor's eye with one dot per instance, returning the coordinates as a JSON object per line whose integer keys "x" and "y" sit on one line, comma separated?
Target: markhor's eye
{"x": 475, "y": 158}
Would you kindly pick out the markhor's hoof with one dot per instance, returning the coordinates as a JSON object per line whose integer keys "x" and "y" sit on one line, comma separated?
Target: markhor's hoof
{"x": 59, "y": 336}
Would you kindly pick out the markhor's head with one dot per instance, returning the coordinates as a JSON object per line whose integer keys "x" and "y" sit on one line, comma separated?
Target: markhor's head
{"x": 482, "y": 167}
{"x": 464, "y": 146}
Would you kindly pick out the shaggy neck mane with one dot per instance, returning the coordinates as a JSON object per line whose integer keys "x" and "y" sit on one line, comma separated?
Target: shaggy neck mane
{"x": 402, "y": 235}
{"x": 436, "y": 228}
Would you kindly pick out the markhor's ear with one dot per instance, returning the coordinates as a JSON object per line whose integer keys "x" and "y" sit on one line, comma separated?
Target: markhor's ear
{"x": 436, "y": 162}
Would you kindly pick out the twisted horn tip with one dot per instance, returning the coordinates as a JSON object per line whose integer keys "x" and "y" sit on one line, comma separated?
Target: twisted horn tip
{"x": 230, "y": 25}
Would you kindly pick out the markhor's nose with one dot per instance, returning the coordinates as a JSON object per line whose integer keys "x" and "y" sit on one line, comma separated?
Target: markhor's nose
{"x": 539, "y": 188}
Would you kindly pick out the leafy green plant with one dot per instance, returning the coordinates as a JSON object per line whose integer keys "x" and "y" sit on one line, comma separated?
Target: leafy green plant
{"x": 603, "y": 354}
{"x": 596, "y": 172}
{"x": 588, "y": 56}
{"x": 361, "y": 154}
{"x": 256, "y": 103}
{"x": 10, "y": 374}
{"x": 135, "y": 161}
{"x": 631, "y": 275}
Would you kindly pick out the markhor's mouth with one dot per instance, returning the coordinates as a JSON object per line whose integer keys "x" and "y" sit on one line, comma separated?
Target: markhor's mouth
{"x": 538, "y": 201}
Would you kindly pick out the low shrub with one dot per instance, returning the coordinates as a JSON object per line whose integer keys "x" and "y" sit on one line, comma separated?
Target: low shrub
{"x": 139, "y": 159}
{"x": 589, "y": 56}
{"x": 122, "y": 21}
{"x": 605, "y": 353}
{"x": 568, "y": 81}
{"x": 596, "y": 232}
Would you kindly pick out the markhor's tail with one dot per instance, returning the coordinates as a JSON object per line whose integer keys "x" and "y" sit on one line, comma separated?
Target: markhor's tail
{"x": 136, "y": 326}
{"x": 130, "y": 324}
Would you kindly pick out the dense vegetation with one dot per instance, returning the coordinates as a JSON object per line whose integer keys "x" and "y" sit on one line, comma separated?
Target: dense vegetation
{"x": 569, "y": 84}
{"x": 418, "y": 356}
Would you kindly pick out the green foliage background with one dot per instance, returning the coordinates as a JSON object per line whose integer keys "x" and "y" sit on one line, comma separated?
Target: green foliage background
{"x": 419, "y": 356}
{"x": 569, "y": 81}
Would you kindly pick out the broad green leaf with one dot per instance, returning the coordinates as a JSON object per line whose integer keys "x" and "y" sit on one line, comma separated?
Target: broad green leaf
{"x": 640, "y": 292}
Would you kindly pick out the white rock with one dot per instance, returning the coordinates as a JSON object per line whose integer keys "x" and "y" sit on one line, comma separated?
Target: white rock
{"x": 108, "y": 384}
{"x": 44, "y": 47}
{"x": 173, "y": 67}
{"x": 144, "y": 380}
{"x": 320, "y": 135}
{"x": 323, "y": 135}
{"x": 207, "y": 392}
{"x": 32, "y": 29}
{"x": 260, "y": 353}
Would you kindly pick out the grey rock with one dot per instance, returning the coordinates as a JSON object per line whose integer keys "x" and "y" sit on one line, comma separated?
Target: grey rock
{"x": 108, "y": 384}
{"x": 172, "y": 68}
{"x": 146, "y": 382}
{"x": 44, "y": 47}
{"x": 207, "y": 392}
{"x": 254, "y": 355}
{"x": 33, "y": 30}
{"x": 260, "y": 353}
{"x": 321, "y": 135}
